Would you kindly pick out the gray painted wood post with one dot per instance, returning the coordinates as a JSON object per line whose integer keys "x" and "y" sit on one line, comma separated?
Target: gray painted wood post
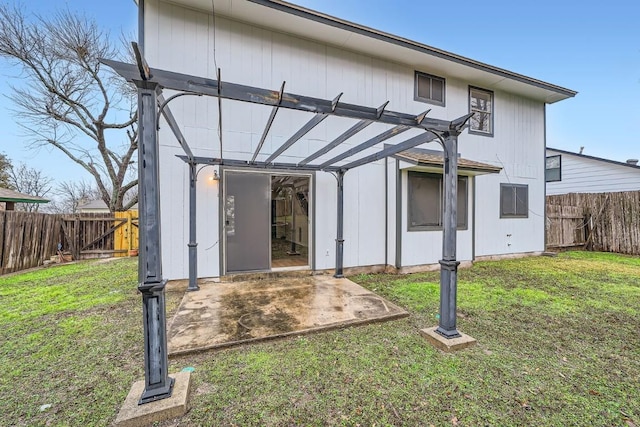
{"x": 158, "y": 384}
{"x": 340, "y": 220}
{"x": 193, "y": 245}
{"x": 449, "y": 264}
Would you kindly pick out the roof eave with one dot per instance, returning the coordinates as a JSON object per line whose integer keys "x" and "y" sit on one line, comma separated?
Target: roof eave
{"x": 470, "y": 170}
{"x": 401, "y": 41}
{"x": 599, "y": 159}
{"x": 16, "y": 200}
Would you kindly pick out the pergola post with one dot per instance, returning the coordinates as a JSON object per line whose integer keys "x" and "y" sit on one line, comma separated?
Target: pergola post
{"x": 193, "y": 245}
{"x": 449, "y": 264}
{"x": 340, "y": 221}
{"x": 157, "y": 384}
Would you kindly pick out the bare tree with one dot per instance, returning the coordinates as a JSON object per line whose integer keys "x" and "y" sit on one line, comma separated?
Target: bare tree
{"x": 68, "y": 100}
{"x": 71, "y": 195}
{"x": 29, "y": 181}
{"x": 5, "y": 168}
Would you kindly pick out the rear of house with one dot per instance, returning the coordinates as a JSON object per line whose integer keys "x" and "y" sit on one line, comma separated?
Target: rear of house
{"x": 253, "y": 219}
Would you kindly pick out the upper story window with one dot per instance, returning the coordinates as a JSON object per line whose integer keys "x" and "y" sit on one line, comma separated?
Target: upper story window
{"x": 429, "y": 89}
{"x": 553, "y": 169}
{"x": 514, "y": 201}
{"x": 481, "y": 104}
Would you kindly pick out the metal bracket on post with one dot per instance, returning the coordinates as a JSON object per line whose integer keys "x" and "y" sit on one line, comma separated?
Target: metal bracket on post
{"x": 340, "y": 228}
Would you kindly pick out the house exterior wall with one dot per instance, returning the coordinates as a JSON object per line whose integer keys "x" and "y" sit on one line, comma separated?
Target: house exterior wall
{"x": 183, "y": 40}
{"x": 584, "y": 175}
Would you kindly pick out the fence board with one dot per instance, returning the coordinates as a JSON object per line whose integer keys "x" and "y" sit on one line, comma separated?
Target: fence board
{"x": 611, "y": 221}
{"x": 29, "y": 238}
{"x": 22, "y": 244}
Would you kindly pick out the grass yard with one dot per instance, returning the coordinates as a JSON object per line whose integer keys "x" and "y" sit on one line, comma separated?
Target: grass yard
{"x": 559, "y": 345}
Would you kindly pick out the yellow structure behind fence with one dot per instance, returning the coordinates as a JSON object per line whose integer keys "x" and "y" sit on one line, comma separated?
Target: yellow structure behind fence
{"x": 126, "y": 235}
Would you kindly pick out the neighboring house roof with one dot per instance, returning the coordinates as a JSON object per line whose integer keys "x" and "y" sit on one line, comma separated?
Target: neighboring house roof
{"x": 94, "y": 204}
{"x": 600, "y": 159}
{"x": 421, "y": 157}
{"x": 7, "y": 195}
{"x": 306, "y": 23}
{"x": 100, "y": 204}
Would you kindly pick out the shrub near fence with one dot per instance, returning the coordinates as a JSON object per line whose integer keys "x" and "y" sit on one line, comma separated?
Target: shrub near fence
{"x": 611, "y": 220}
{"x": 27, "y": 239}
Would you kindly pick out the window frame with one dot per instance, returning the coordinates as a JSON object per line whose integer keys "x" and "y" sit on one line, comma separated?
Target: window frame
{"x": 410, "y": 190}
{"x": 491, "y": 113}
{"x": 514, "y": 187}
{"x": 546, "y": 179}
{"x": 431, "y": 77}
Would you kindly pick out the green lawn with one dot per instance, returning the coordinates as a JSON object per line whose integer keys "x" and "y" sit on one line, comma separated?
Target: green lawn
{"x": 559, "y": 345}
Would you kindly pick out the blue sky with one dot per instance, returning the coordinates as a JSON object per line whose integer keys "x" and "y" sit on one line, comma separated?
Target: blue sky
{"x": 592, "y": 47}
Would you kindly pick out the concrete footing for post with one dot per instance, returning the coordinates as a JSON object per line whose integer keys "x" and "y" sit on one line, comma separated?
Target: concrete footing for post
{"x": 447, "y": 344}
{"x": 133, "y": 415}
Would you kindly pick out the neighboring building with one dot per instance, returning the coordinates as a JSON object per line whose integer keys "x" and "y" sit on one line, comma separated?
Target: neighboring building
{"x": 568, "y": 172}
{"x": 9, "y": 198}
{"x": 93, "y": 206}
{"x": 392, "y": 206}
{"x": 98, "y": 206}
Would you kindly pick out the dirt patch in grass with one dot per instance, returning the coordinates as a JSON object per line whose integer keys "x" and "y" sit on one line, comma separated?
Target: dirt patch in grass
{"x": 558, "y": 345}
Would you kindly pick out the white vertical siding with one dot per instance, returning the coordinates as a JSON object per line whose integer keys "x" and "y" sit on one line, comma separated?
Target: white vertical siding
{"x": 518, "y": 147}
{"x": 584, "y": 175}
{"x": 183, "y": 40}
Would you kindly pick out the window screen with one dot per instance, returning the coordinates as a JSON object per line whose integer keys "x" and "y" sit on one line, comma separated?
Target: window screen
{"x": 429, "y": 88}
{"x": 514, "y": 201}
{"x": 425, "y": 204}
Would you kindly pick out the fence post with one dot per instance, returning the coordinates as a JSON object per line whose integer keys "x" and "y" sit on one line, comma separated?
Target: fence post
{"x": 76, "y": 238}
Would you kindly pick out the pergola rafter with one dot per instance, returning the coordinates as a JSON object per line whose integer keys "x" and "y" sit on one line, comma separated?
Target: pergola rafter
{"x": 150, "y": 83}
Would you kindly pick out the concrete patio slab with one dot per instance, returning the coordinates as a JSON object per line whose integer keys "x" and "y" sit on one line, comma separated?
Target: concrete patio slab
{"x": 226, "y": 314}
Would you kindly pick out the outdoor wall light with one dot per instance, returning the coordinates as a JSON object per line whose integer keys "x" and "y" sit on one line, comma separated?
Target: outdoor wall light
{"x": 215, "y": 176}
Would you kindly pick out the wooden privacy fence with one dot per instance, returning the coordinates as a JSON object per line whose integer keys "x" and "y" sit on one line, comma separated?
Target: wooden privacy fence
{"x": 610, "y": 221}
{"x": 565, "y": 226}
{"x": 126, "y": 235}
{"x": 97, "y": 234}
{"x": 28, "y": 239}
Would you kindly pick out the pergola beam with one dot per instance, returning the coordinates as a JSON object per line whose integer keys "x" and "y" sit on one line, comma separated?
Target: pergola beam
{"x": 339, "y": 140}
{"x": 257, "y": 165}
{"x": 306, "y": 128}
{"x": 390, "y": 133}
{"x": 272, "y": 117}
{"x": 394, "y": 149}
{"x": 173, "y": 124}
{"x": 233, "y": 91}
